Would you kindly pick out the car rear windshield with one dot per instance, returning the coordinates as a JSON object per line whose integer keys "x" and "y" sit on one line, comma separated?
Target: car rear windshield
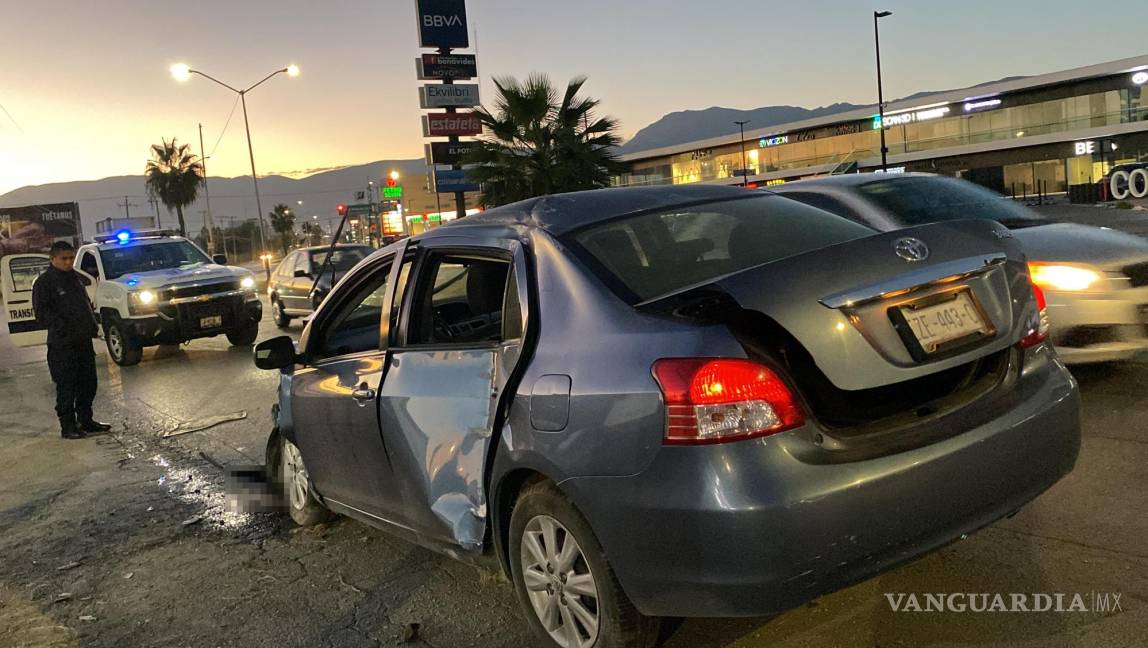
{"x": 650, "y": 255}
{"x": 119, "y": 261}
{"x": 916, "y": 201}
{"x": 342, "y": 259}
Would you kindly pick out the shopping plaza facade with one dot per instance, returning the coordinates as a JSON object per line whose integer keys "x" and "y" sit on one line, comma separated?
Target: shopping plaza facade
{"x": 1053, "y": 133}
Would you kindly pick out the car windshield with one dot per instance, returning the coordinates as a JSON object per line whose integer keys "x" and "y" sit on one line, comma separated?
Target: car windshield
{"x": 654, "y": 254}
{"x": 916, "y": 201}
{"x": 119, "y": 261}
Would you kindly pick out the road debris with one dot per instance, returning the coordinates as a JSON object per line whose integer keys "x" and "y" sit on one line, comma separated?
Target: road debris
{"x": 198, "y": 425}
{"x": 353, "y": 588}
{"x": 87, "y": 617}
{"x": 410, "y": 632}
{"x": 64, "y": 596}
{"x": 192, "y": 520}
{"x": 71, "y": 565}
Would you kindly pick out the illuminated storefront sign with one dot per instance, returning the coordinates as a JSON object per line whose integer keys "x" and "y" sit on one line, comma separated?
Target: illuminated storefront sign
{"x": 772, "y": 141}
{"x": 970, "y": 106}
{"x": 1084, "y": 148}
{"x": 909, "y": 117}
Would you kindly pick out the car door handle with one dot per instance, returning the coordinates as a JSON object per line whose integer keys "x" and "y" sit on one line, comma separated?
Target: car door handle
{"x": 363, "y": 395}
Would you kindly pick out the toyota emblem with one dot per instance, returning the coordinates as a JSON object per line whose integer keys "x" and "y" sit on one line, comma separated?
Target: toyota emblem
{"x": 911, "y": 249}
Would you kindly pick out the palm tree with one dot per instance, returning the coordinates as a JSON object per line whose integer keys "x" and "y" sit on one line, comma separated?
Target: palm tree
{"x": 539, "y": 143}
{"x": 173, "y": 175}
{"x": 283, "y": 222}
{"x": 313, "y": 232}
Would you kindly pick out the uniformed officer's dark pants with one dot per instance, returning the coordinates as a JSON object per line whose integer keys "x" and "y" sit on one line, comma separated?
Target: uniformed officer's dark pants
{"x": 73, "y": 369}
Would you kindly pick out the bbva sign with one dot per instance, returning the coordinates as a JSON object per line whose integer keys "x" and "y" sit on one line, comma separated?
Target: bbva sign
{"x": 442, "y": 23}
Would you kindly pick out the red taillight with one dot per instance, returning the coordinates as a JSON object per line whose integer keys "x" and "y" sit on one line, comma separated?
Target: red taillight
{"x": 710, "y": 400}
{"x": 1039, "y": 324}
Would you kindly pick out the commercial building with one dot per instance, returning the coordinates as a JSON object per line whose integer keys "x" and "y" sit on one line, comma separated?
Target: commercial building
{"x": 1058, "y": 132}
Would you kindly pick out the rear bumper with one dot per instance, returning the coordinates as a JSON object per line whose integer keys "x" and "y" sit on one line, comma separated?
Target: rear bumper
{"x": 747, "y": 528}
{"x": 174, "y": 325}
{"x": 1099, "y": 327}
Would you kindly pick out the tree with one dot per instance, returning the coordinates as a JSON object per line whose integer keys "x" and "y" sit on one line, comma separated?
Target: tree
{"x": 283, "y": 222}
{"x": 312, "y": 232}
{"x": 173, "y": 175}
{"x": 538, "y": 142}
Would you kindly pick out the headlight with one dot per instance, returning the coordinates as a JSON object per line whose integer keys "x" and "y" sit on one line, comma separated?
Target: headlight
{"x": 1059, "y": 276}
{"x": 142, "y": 301}
{"x": 248, "y": 283}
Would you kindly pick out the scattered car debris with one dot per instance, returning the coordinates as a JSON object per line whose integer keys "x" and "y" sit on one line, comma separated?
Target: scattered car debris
{"x": 64, "y": 596}
{"x": 204, "y": 423}
{"x": 71, "y": 565}
{"x": 87, "y": 617}
{"x": 192, "y": 520}
{"x": 410, "y": 632}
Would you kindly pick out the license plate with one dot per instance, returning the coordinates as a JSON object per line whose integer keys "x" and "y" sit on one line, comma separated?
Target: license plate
{"x": 214, "y": 321}
{"x": 937, "y": 323}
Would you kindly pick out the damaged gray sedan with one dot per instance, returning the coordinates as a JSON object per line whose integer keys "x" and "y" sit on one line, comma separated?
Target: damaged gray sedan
{"x": 686, "y": 401}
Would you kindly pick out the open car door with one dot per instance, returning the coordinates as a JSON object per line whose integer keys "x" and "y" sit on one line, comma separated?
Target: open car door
{"x": 17, "y": 273}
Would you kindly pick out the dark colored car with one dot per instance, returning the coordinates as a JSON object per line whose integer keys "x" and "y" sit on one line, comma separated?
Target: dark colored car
{"x": 303, "y": 278}
{"x": 674, "y": 401}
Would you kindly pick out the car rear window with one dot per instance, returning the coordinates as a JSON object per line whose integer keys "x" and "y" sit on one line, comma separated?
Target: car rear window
{"x": 649, "y": 255}
{"x": 916, "y": 201}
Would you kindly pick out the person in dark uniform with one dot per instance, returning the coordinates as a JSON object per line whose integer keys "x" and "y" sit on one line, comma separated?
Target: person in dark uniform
{"x": 61, "y": 306}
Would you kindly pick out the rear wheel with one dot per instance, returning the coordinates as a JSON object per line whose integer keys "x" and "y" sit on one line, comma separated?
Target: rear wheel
{"x": 244, "y": 334}
{"x": 124, "y": 350}
{"x": 282, "y": 319}
{"x": 304, "y": 508}
{"x": 568, "y": 590}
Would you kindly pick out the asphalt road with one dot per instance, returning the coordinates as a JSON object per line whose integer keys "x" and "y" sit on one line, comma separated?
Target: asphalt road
{"x": 161, "y": 563}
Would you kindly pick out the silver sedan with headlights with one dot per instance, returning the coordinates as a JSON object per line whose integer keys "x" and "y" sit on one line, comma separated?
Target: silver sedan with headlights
{"x": 1095, "y": 279}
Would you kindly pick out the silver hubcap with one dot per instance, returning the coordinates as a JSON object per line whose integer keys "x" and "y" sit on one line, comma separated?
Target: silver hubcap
{"x": 559, "y": 583}
{"x": 296, "y": 478}
{"x": 115, "y": 342}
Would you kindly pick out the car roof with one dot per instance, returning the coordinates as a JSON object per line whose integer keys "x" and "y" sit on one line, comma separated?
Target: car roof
{"x": 561, "y": 213}
{"x": 140, "y": 242}
{"x": 845, "y": 180}
{"x": 338, "y": 246}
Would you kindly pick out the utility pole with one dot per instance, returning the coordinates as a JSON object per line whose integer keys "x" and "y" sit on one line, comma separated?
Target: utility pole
{"x": 155, "y": 209}
{"x": 880, "y": 94}
{"x": 127, "y": 207}
{"x": 744, "y": 169}
{"x": 207, "y": 196}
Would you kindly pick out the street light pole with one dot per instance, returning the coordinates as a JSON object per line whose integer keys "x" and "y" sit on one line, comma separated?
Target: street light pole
{"x": 744, "y": 170}
{"x": 880, "y": 94}
{"x": 182, "y": 72}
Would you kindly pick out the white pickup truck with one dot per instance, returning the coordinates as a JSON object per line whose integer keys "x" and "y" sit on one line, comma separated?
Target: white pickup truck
{"x": 153, "y": 288}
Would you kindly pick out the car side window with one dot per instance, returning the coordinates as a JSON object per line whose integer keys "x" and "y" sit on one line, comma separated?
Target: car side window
{"x": 511, "y": 309}
{"x": 286, "y": 266}
{"x": 459, "y": 300}
{"x": 89, "y": 265}
{"x": 355, "y": 326}
{"x": 302, "y": 262}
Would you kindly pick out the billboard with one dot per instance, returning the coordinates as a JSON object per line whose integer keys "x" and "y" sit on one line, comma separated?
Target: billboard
{"x": 444, "y": 124}
{"x": 446, "y": 66}
{"x": 34, "y": 228}
{"x": 442, "y": 23}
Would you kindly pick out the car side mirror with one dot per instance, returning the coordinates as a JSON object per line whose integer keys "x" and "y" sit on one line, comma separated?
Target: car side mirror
{"x": 276, "y": 353}
{"x": 303, "y": 273}
{"x": 219, "y": 259}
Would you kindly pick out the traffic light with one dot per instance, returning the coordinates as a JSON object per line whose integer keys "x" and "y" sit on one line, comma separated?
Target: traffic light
{"x": 341, "y": 208}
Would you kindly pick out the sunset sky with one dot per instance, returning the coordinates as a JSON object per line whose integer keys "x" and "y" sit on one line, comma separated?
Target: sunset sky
{"x": 87, "y": 88}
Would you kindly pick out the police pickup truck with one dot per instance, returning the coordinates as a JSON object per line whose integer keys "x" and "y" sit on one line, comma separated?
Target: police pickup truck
{"x": 152, "y": 288}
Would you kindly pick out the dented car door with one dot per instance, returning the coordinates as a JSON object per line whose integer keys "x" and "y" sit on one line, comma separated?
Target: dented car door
{"x": 438, "y": 401}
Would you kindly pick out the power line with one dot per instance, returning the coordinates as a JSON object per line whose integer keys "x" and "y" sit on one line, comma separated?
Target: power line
{"x": 10, "y": 118}
{"x": 225, "y": 125}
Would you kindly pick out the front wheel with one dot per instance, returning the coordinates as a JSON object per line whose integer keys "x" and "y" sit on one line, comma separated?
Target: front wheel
{"x": 282, "y": 319}
{"x": 243, "y": 335}
{"x": 570, "y": 594}
{"x": 124, "y": 350}
{"x": 304, "y": 508}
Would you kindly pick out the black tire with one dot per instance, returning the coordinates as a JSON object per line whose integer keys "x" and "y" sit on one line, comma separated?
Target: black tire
{"x": 122, "y": 348}
{"x": 243, "y": 335}
{"x": 282, "y": 319}
{"x": 298, "y": 494}
{"x": 619, "y": 622}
